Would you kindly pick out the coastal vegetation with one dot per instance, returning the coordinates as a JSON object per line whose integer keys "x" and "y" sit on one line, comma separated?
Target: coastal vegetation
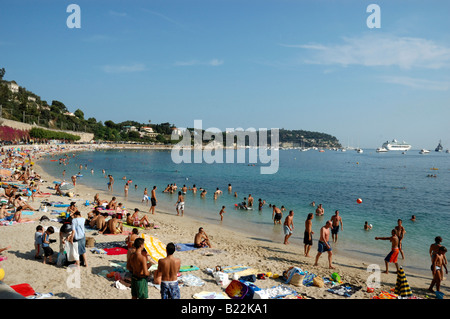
{"x": 19, "y": 104}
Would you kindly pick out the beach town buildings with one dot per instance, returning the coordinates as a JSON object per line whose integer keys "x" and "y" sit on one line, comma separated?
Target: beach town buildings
{"x": 13, "y": 86}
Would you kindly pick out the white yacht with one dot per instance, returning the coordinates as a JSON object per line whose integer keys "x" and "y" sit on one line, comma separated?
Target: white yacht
{"x": 424, "y": 151}
{"x": 382, "y": 150}
{"x": 396, "y": 146}
{"x": 359, "y": 150}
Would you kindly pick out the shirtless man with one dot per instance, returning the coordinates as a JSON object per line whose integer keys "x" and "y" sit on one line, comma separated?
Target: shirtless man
{"x": 100, "y": 223}
{"x": 250, "y": 200}
{"x": 229, "y": 188}
{"x": 153, "y": 200}
{"x": 400, "y": 233}
{"x": 324, "y": 244}
{"x": 112, "y": 204}
{"x": 288, "y": 226}
{"x": 114, "y": 226}
{"x": 222, "y": 211}
{"x": 320, "y": 211}
{"x": 393, "y": 255}
{"x": 193, "y": 189}
{"x": 307, "y": 237}
{"x": 111, "y": 183}
{"x": 276, "y": 215}
{"x": 139, "y": 271}
{"x": 180, "y": 204}
{"x": 184, "y": 189}
{"x": 145, "y": 198}
{"x": 168, "y": 268}
{"x": 436, "y": 267}
{"x": 201, "y": 239}
{"x": 335, "y": 221}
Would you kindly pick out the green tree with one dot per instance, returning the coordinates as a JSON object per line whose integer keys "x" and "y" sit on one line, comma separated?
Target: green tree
{"x": 79, "y": 113}
{"x": 2, "y": 73}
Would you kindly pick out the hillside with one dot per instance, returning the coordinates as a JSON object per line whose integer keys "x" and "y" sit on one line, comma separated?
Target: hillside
{"x": 19, "y": 104}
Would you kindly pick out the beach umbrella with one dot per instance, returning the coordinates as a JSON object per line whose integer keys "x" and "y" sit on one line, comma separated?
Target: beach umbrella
{"x": 402, "y": 287}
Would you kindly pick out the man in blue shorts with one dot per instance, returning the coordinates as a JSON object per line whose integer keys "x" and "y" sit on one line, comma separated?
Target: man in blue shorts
{"x": 324, "y": 244}
{"x": 168, "y": 268}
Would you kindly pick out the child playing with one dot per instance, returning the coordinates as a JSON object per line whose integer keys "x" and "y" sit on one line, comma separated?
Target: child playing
{"x": 38, "y": 241}
{"x": 46, "y": 241}
{"x": 436, "y": 267}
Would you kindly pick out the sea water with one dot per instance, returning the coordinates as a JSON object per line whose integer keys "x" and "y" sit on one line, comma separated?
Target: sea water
{"x": 391, "y": 185}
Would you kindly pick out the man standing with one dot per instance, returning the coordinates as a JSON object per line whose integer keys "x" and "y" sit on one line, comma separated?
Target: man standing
{"x": 276, "y": 215}
{"x": 153, "y": 200}
{"x": 307, "y": 237}
{"x": 139, "y": 271}
{"x": 393, "y": 255}
{"x": 324, "y": 244}
{"x": 168, "y": 268}
{"x": 180, "y": 204}
{"x": 400, "y": 234}
{"x": 288, "y": 226}
{"x": 335, "y": 221}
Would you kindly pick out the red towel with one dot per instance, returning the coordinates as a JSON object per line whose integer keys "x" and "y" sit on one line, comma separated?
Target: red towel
{"x": 116, "y": 251}
{"x": 24, "y": 289}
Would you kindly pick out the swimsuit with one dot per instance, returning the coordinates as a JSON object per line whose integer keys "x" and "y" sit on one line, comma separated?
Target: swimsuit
{"x": 287, "y": 230}
{"x": 170, "y": 290}
{"x": 306, "y": 239}
{"x": 277, "y": 216}
{"x": 180, "y": 205}
{"x": 323, "y": 247}
{"x": 153, "y": 200}
{"x": 392, "y": 256}
{"x": 335, "y": 230}
{"x": 139, "y": 287}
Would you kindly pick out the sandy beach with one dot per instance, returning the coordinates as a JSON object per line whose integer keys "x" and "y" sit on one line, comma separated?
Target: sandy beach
{"x": 229, "y": 248}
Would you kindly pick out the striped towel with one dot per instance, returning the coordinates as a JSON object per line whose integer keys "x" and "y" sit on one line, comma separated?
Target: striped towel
{"x": 154, "y": 247}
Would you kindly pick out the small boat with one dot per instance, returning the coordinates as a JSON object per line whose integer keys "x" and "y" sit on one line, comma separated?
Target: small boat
{"x": 439, "y": 148}
{"x": 382, "y": 150}
{"x": 359, "y": 150}
{"x": 447, "y": 151}
{"x": 424, "y": 151}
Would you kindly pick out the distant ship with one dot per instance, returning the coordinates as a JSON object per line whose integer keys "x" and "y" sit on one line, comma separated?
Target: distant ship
{"x": 396, "y": 146}
{"x": 439, "y": 148}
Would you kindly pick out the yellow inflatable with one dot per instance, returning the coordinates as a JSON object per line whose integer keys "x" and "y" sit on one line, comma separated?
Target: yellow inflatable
{"x": 2, "y": 274}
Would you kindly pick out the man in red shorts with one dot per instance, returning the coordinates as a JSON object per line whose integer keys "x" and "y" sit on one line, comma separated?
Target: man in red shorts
{"x": 393, "y": 255}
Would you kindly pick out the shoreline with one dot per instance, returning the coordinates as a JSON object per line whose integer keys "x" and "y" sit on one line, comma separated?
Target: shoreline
{"x": 235, "y": 248}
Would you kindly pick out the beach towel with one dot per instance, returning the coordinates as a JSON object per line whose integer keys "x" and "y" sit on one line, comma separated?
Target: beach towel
{"x": 346, "y": 290}
{"x": 116, "y": 251}
{"x": 210, "y": 295}
{"x": 184, "y": 247}
{"x": 277, "y": 292}
{"x": 234, "y": 269}
{"x": 154, "y": 247}
{"x": 24, "y": 289}
{"x": 308, "y": 279}
{"x": 188, "y": 268}
{"x": 191, "y": 280}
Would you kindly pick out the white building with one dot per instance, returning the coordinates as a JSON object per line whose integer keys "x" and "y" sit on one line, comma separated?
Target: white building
{"x": 13, "y": 87}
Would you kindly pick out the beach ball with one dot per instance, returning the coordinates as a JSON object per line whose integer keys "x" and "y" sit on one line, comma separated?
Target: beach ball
{"x": 2, "y": 274}
{"x": 359, "y": 200}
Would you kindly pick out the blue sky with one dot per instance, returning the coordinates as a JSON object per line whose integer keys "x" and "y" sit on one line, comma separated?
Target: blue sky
{"x": 311, "y": 65}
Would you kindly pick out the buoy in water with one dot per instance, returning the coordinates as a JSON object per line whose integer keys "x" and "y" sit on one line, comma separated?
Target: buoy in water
{"x": 359, "y": 200}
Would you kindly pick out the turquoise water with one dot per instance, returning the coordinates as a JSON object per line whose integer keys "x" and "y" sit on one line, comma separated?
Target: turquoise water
{"x": 391, "y": 185}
